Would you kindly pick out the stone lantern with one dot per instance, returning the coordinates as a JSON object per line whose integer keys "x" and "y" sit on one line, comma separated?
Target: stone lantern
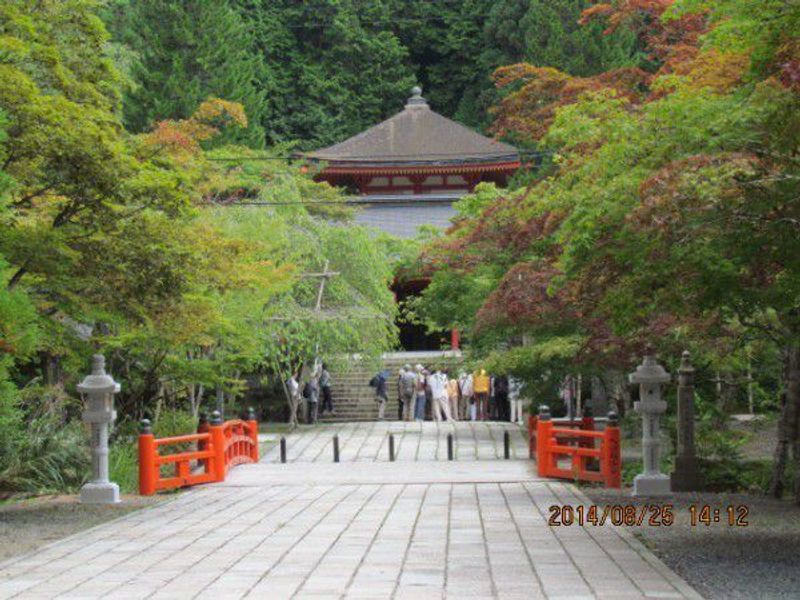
{"x": 99, "y": 389}
{"x": 650, "y": 375}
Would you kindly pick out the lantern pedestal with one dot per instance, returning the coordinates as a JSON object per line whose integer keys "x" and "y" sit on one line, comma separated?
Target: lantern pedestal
{"x": 97, "y": 492}
{"x": 656, "y": 484}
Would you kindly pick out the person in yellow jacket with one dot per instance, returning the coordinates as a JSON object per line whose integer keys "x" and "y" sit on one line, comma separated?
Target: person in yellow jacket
{"x": 481, "y": 386}
{"x": 452, "y": 396}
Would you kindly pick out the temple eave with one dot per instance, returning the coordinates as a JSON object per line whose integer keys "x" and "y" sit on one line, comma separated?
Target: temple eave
{"x": 420, "y": 169}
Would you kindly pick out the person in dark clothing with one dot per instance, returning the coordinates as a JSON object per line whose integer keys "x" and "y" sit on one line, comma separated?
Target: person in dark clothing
{"x": 501, "y": 397}
{"x": 325, "y": 387}
{"x": 381, "y": 395}
{"x": 311, "y": 394}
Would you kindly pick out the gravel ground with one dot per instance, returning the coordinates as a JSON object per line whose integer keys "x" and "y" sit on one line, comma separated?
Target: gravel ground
{"x": 27, "y": 524}
{"x": 761, "y": 560}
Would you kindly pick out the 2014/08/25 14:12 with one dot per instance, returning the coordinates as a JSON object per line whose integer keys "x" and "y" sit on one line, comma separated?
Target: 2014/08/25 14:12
{"x": 735, "y": 516}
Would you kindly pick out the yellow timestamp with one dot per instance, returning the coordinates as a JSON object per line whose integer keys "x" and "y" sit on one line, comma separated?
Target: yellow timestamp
{"x": 705, "y": 514}
{"x": 649, "y": 515}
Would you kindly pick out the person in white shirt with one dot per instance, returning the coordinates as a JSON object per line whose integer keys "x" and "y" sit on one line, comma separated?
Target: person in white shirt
{"x": 294, "y": 395}
{"x": 441, "y": 405}
{"x": 515, "y": 400}
{"x": 467, "y": 396}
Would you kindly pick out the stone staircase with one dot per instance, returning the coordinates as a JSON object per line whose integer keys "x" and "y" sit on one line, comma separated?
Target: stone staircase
{"x": 354, "y": 399}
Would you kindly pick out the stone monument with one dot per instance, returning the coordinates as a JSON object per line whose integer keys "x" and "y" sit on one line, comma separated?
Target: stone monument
{"x": 650, "y": 375}
{"x": 686, "y": 477}
{"x": 99, "y": 389}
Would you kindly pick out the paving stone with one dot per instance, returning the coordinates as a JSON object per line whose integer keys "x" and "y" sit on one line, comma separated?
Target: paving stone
{"x": 422, "y": 527}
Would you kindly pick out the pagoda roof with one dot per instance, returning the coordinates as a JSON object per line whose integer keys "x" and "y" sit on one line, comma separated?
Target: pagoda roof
{"x": 416, "y": 136}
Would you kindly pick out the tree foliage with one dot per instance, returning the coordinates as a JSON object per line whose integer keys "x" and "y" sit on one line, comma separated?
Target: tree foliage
{"x": 129, "y": 244}
{"x": 316, "y": 73}
{"x": 180, "y": 53}
{"x": 668, "y": 217}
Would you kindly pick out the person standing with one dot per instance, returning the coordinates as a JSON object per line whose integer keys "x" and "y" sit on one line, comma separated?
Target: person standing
{"x": 311, "y": 394}
{"x": 453, "y": 397}
{"x": 501, "y": 397}
{"x": 381, "y": 396}
{"x": 408, "y": 391}
{"x": 294, "y": 398}
{"x": 420, "y": 386}
{"x": 400, "y": 393}
{"x": 467, "y": 393}
{"x": 515, "y": 400}
{"x": 325, "y": 386}
{"x": 441, "y": 408}
{"x": 481, "y": 384}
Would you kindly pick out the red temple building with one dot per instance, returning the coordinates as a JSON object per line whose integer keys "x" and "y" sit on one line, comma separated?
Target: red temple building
{"x": 406, "y": 172}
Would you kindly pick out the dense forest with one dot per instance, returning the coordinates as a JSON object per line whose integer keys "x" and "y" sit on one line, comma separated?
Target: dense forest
{"x": 313, "y": 73}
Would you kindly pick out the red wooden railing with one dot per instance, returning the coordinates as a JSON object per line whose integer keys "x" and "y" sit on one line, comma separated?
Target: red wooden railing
{"x": 593, "y": 455}
{"x": 585, "y": 423}
{"x": 218, "y": 447}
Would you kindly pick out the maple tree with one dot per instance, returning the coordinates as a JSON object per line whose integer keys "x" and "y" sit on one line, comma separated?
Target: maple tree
{"x": 667, "y": 217}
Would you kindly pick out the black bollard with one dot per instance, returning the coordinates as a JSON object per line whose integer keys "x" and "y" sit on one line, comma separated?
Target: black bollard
{"x": 391, "y": 447}
{"x": 449, "y": 446}
{"x": 283, "y": 449}
{"x": 506, "y": 445}
{"x": 336, "y": 448}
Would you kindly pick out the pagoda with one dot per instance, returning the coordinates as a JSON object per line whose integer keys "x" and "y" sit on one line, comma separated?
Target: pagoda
{"x": 408, "y": 170}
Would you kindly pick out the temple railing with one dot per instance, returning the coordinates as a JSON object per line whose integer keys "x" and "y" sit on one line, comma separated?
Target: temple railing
{"x": 212, "y": 451}
{"x": 592, "y": 455}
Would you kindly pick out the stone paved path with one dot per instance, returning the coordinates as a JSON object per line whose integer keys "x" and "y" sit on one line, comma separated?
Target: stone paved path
{"x": 368, "y": 442}
{"x": 311, "y": 529}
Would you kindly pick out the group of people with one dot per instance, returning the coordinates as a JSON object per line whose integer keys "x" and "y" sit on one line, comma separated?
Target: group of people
{"x": 474, "y": 396}
{"x": 431, "y": 393}
{"x": 318, "y": 383}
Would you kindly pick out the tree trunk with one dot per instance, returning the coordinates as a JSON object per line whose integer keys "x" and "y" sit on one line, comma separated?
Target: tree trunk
{"x": 787, "y": 424}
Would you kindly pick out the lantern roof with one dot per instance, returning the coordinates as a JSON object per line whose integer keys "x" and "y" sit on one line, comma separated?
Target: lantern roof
{"x": 649, "y": 372}
{"x": 99, "y": 381}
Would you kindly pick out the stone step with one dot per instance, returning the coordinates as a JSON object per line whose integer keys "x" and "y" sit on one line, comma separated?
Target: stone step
{"x": 353, "y": 397}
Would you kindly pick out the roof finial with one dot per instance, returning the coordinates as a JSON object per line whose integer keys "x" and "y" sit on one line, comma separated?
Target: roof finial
{"x": 416, "y": 97}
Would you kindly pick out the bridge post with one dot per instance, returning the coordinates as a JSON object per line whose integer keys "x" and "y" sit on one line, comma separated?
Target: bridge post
{"x": 202, "y": 445}
{"x": 531, "y": 436}
{"x": 252, "y": 429}
{"x": 611, "y": 461}
{"x": 147, "y": 459}
{"x": 218, "y": 445}
{"x": 543, "y": 427}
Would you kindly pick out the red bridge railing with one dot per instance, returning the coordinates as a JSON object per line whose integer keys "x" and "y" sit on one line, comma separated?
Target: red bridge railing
{"x": 585, "y": 423}
{"x": 213, "y": 450}
{"x": 593, "y": 455}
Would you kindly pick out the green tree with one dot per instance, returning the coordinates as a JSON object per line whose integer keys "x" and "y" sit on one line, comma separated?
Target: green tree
{"x": 669, "y": 215}
{"x": 332, "y": 68}
{"x": 184, "y": 52}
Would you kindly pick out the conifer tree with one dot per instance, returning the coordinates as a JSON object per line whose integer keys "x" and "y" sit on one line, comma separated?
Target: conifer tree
{"x": 333, "y": 68}
{"x": 186, "y": 51}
